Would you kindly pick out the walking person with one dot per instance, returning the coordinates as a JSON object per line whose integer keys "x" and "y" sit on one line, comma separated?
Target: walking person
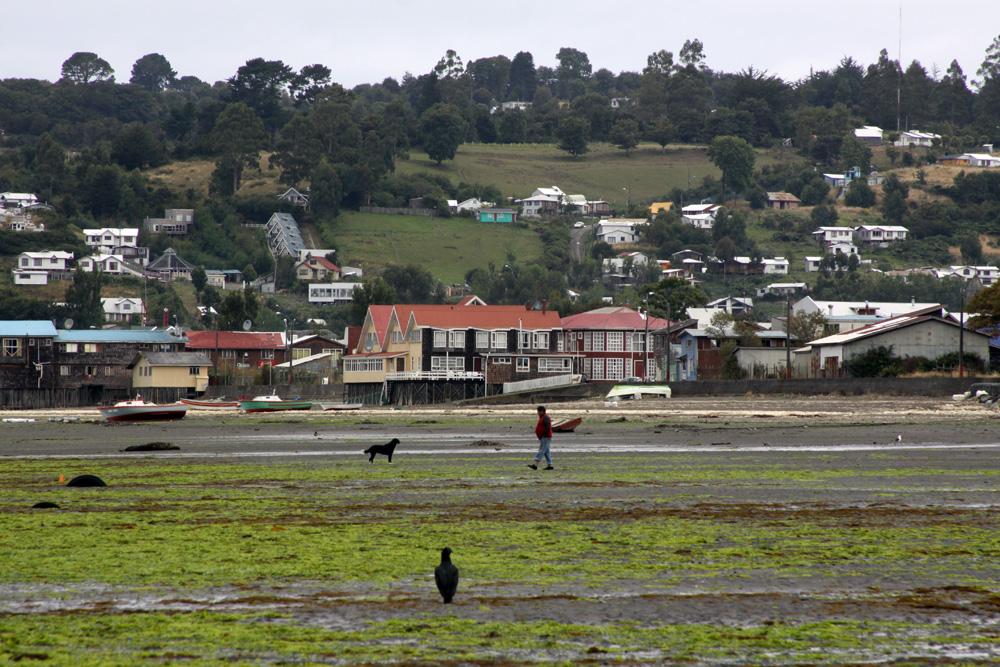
{"x": 543, "y": 431}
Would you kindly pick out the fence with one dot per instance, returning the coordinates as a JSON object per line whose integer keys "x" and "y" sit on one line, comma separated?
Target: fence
{"x": 306, "y": 391}
{"x": 394, "y": 210}
{"x": 42, "y": 399}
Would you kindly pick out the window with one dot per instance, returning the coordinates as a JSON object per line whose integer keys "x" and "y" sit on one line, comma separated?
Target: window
{"x": 456, "y": 339}
{"x": 90, "y": 347}
{"x": 440, "y": 339}
{"x": 502, "y": 360}
{"x": 64, "y": 370}
{"x": 90, "y": 370}
{"x": 598, "y": 369}
{"x": 441, "y": 364}
{"x": 615, "y": 369}
{"x": 482, "y": 340}
{"x": 363, "y": 365}
{"x": 523, "y": 364}
{"x": 542, "y": 340}
{"x": 12, "y": 347}
{"x": 588, "y": 341}
{"x": 615, "y": 341}
{"x": 598, "y": 342}
{"x": 24, "y": 261}
{"x": 415, "y": 336}
{"x": 264, "y": 354}
{"x": 301, "y": 352}
{"x": 397, "y": 336}
{"x": 194, "y": 370}
{"x": 498, "y": 340}
{"x": 556, "y": 365}
{"x": 524, "y": 340}
{"x": 587, "y": 369}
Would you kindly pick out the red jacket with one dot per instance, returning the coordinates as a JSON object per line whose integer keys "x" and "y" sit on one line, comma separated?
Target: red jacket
{"x": 543, "y": 429}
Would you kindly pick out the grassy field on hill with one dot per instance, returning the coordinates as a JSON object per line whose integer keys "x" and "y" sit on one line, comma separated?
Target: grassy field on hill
{"x": 447, "y": 247}
{"x": 517, "y": 169}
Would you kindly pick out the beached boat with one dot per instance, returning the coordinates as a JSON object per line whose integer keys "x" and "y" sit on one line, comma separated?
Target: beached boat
{"x": 567, "y": 425}
{"x": 214, "y": 404}
{"x": 273, "y": 403}
{"x": 636, "y": 392}
{"x": 322, "y": 405}
{"x": 136, "y": 409}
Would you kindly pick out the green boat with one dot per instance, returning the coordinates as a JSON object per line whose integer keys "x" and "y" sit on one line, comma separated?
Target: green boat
{"x": 273, "y": 403}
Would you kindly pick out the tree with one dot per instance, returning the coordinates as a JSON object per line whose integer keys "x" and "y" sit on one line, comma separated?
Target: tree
{"x": 136, "y": 146}
{"x": 573, "y": 133}
{"x": 492, "y": 74}
{"x": 512, "y": 127}
{"x": 692, "y": 54}
{"x": 259, "y": 84}
{"x": 625, "y": 134}
{"x": 972, "y": 249}
{"x": 735, "y": 157}
{"x": 199, "y": 278}
{"x": 153, "y": 72}
{"x": 306, "y": 86}
{"x": 326, "y": 190}
{"x": 374, "y": 291}
{"x": 662, "y": 132}
{"x": 450, "y": 66}
{"x": 673, "y": 296}
{"x": 876, "y": 362}
{"x": 814, "y": 192}
{"x": 236, "y": 308}
{"x": 84, "y": 67}
{"x": 853, "y": 153}
{"x": 725, "y": 249}
{"x": 523, "y": 77}
{"x": 410, "y": 283}
{"x": 823, "y": 216}
{"x": 894, "y": 193}
{"x": 806, "y": 327}
{"x": 238, "y": 136}
{"x": 860, "y": 194}
{"x": 443, "y": 129}
{"x": 83, "y": 299}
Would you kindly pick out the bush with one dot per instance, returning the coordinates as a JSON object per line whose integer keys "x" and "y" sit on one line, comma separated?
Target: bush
{"x": 860, "y": 194}
{"x": 878, "y": 362}
{"x": 814, "y": 192}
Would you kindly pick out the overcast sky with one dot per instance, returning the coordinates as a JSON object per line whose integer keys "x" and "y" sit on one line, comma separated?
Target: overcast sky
{"x": 367, "y": 40}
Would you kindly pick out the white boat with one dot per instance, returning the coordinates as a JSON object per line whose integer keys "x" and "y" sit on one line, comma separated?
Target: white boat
{"x": 136, "y": 409}
{"x": 637, "y": 392}
{"x": 322, "y": 405}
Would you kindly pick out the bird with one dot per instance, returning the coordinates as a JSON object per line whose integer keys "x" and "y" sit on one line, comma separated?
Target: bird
{"x": 446, "y": 576}
{"x": 899, "y": 437}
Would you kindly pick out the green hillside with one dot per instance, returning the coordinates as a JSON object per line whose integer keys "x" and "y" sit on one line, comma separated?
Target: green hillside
{"x": 517, "y": 169}
{"x": 447, "y": 247}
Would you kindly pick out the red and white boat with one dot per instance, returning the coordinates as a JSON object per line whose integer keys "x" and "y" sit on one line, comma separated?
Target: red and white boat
{"x": 216, "y": 404}
{"x": 136, "y": 409}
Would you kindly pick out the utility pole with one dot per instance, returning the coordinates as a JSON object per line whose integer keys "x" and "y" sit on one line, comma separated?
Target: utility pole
{"x": 961, "y": 335}
{"x": 645, "y": 342}
{"x": 788, "y": 337}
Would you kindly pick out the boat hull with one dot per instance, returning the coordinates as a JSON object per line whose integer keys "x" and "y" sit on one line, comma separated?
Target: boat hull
{"x": 567, "y": 425}
{"x": 144, "y": 414}
{"x": 339, "y": 406}
{"x": 274, "y": 406}
{"x": 210, "y": 405}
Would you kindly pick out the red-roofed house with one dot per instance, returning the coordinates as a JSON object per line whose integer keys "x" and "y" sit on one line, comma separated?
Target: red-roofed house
{"x": 313, "y": 269}
{"x": 234, "y": 351}
{"x": 469, "y": 341}
{"x": 609, "y": 342}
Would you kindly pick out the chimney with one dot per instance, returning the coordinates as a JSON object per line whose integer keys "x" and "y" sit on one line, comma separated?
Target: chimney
{"x": 545, "y": 305}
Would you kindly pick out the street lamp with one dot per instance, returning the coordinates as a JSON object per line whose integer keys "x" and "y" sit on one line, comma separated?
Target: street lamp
{"x": 288, "y": 352}
{"x": 645, "y": 342}
{"x": 628, "y": 198}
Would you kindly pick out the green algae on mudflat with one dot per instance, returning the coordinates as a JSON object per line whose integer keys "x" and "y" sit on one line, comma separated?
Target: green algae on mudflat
{"x": 206, "y": 637}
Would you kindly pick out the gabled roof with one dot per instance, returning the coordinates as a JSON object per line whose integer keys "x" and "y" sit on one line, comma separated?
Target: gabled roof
{"x": 783, "y": 196}
{"x": 48, "y": 254}
{"x": 616, "y": 318}
{"x": 124, "y": 231}
{"x": 658, "y": 206}
{"x": 322, "y": 261}
{"x": 236, "y": 340}
{"x": 380, "y": 316}
{"x": 28, "y": 328}
{"x": 935, "y": 313}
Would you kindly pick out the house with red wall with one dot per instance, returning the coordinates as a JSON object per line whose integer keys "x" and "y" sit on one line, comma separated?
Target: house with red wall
{"x": 611, "y": 343}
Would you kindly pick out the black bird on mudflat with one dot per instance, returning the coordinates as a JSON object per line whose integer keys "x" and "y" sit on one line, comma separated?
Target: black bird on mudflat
{"x": 446, "y": 576}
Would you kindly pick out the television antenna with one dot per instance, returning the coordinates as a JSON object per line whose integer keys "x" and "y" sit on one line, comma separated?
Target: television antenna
{"x": 247, "y": 324}
{"x": 68, "y": 323}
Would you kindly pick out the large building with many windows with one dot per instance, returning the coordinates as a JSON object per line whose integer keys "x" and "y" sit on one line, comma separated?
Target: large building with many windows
{"x": 609, "y": 343}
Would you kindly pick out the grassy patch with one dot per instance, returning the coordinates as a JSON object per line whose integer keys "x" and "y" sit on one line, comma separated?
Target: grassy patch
{"x": 448, "y": 247}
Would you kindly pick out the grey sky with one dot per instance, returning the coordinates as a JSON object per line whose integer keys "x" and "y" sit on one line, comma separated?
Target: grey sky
{"x": 367, "y": 41}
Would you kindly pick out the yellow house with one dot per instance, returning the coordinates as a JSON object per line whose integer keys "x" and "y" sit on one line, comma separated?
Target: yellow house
{"x": 657, "y": 206}
{"x": 384, "y": 346}
{"x": 173, "y": 370}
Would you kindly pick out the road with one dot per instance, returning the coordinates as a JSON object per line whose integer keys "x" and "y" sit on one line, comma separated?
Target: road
{"x": 577, "y": 237}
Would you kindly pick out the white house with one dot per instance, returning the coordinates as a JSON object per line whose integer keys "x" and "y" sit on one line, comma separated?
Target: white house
{"x": 842, "y": 247}
{"x": 17, "y": 199}
{"x": 620, "y": 230}
{"x": 782, "y": 289}
{"x": 472, "y": 205}
{"x": 829, "y": 235}
{"x": 295, "y": 198}
{"x": 812, "y": 263}
{"x": 623, "y": 260}
{"x": 698, "y": 209}
{"x": 847, "y": 315}
{"x": 915, "y": 138}
{"x": 836, "y": 180}
{"x": 332, "y": 292}
{"x": 110, "y": 264}
{"x": 776, "y": 266}
{"x": 699, "y": 220}
{"x": 122, "y": 309}
{"x": 515, "y": 105}
{"x": 987, "y": 275}
{"x": 108, "y": 239}
{"x": 869, "y": 134}
{"x": 880, "y": 235}
{"x": 29, "y": 277}
{"x": 982, "y": 160}
{"x": 47, "y": 260}
{"x": 536, "y": 206}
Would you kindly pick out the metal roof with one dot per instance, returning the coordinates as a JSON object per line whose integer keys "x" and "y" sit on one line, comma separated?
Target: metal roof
{"x": 176, "y": 358}
{"x": 28, "y": 328}
{"x": 137, "y": 336}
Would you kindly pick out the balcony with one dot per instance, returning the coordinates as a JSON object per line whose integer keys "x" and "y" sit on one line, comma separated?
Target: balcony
{"x": 434, "y": 375}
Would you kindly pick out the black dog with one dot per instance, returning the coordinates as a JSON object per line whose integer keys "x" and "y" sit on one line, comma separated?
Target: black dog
{"x": 386, "y": 449}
